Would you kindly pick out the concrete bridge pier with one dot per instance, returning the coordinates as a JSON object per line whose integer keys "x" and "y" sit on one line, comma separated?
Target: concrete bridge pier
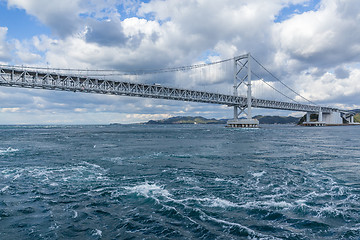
{"x": 320, "y": 118}
{"x": 327, "y": 118}
{"x": 317, "y": 123}
{"x": 333, "y": 118}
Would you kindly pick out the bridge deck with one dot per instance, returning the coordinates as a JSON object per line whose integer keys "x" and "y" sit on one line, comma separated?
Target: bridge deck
{"x": 16, "y": 77}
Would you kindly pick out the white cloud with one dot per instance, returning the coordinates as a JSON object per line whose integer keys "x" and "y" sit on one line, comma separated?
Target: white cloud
{"x": 147, "y": 117}
{"x": 329, "y": 88}
{"x": 321, "y": 38}
{"x": 314, "y": 52}
{"x": 4, "y": 46}
{"x": 12, "y": 110}
{"x": 316, "y": 49}
{"x": 24, "y": 53}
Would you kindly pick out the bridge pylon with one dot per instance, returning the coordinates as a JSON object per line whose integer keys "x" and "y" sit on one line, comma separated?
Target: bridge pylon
{"x": 242, "y": 78}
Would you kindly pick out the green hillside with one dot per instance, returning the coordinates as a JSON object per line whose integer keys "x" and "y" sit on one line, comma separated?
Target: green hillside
{"x": 357, "y": 118}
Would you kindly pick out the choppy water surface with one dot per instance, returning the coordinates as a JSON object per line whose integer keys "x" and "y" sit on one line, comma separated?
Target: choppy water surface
{"x": 179, "y": 182}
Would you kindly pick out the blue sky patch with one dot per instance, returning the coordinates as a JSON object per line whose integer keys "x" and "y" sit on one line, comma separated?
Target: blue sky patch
{"x": 20, "y": 25}
{"x": 294, "y": 9}
{"x": 208, "y": 53}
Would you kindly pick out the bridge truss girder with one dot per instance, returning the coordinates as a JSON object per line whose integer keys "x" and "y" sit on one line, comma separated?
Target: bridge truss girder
{"x": 23, "y": 78}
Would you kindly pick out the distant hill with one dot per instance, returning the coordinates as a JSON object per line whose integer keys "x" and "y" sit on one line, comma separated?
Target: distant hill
{"x": 202, "y": 120}
{"x": 357, "y": 118}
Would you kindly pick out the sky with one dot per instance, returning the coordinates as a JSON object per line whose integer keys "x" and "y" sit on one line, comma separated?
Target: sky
{"x": 311, "y": 45}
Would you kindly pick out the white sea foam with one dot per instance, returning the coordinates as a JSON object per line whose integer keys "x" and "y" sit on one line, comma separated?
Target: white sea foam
{"x": 218, "y": 202}
{"x": 57, "y": 176}
{"x": 258, "y": 174}
{"x": 91, "y": 164}
{"x": 328, "y": 210}
{"x": 355, "y": 228}
{"x": 4, "y": 189}
{"x": 8, "y": 150}
{"x": 209, "y": 202}
{"x": 17, "y": 176}
{"x": 252, "y": 233}
{"x": 189, "y": 180}
{"x": 97, "y": 232}
{"x": 281, "y": 204}
{"x": 149, "y": 190}
{"x": 219, "y": 180}
{"x": 268, "y": 204}
{"x": 235, "y": 182}
{"x": 197, "y": 188}
{"x": 118, "y": 160}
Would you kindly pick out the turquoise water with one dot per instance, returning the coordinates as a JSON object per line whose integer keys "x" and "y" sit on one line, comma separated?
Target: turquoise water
{"x": 179, "y": 182}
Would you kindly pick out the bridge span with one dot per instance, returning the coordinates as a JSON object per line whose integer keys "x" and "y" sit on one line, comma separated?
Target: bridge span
{"x": 37, "y": 79}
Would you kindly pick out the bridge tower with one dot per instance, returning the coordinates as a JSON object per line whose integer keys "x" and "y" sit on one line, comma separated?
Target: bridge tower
{"x": 242, "y": 77}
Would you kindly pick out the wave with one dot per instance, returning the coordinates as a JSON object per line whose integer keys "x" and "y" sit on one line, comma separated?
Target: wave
{"x": 149, "y": 190}
{"x": 218, "y": 202}
{"x": 243, "y": 230}
{"x": 57, "y": 176}
{"x": 267, "y": 205}
{"x": 8, "y": 150}
{"x": 4, "y": 189}
{"x": 258, "y": 174}
{"x": 187, "y": 180}
{"x": 231, "y": 181}
{"x": 97, "y": 232}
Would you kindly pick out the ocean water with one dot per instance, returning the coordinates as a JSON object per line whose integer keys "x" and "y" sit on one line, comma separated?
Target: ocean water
{"x": 179, "y": 182}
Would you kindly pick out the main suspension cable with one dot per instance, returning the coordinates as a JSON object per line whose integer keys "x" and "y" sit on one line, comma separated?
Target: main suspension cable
{"x": 274, "y": 88}
{"x": 118, "y": 72}
{"x": 282, "y": 82}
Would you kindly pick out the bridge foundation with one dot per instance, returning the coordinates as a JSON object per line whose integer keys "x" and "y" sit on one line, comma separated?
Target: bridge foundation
{"x": 332, "y": 118}
{"x": 314, "y": 124}
{"x": 243, "y": 78}
{"x": 243, "y": 123}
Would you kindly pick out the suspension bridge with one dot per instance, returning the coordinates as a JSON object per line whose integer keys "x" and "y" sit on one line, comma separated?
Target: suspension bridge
{"x": 107, "y": 82}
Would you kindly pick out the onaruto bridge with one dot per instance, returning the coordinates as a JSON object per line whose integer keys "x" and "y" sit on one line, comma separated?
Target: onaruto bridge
{"x": 242, "y": 100}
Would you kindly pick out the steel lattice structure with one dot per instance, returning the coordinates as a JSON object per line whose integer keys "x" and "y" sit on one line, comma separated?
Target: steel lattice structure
{"x": 24, "y": 78}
